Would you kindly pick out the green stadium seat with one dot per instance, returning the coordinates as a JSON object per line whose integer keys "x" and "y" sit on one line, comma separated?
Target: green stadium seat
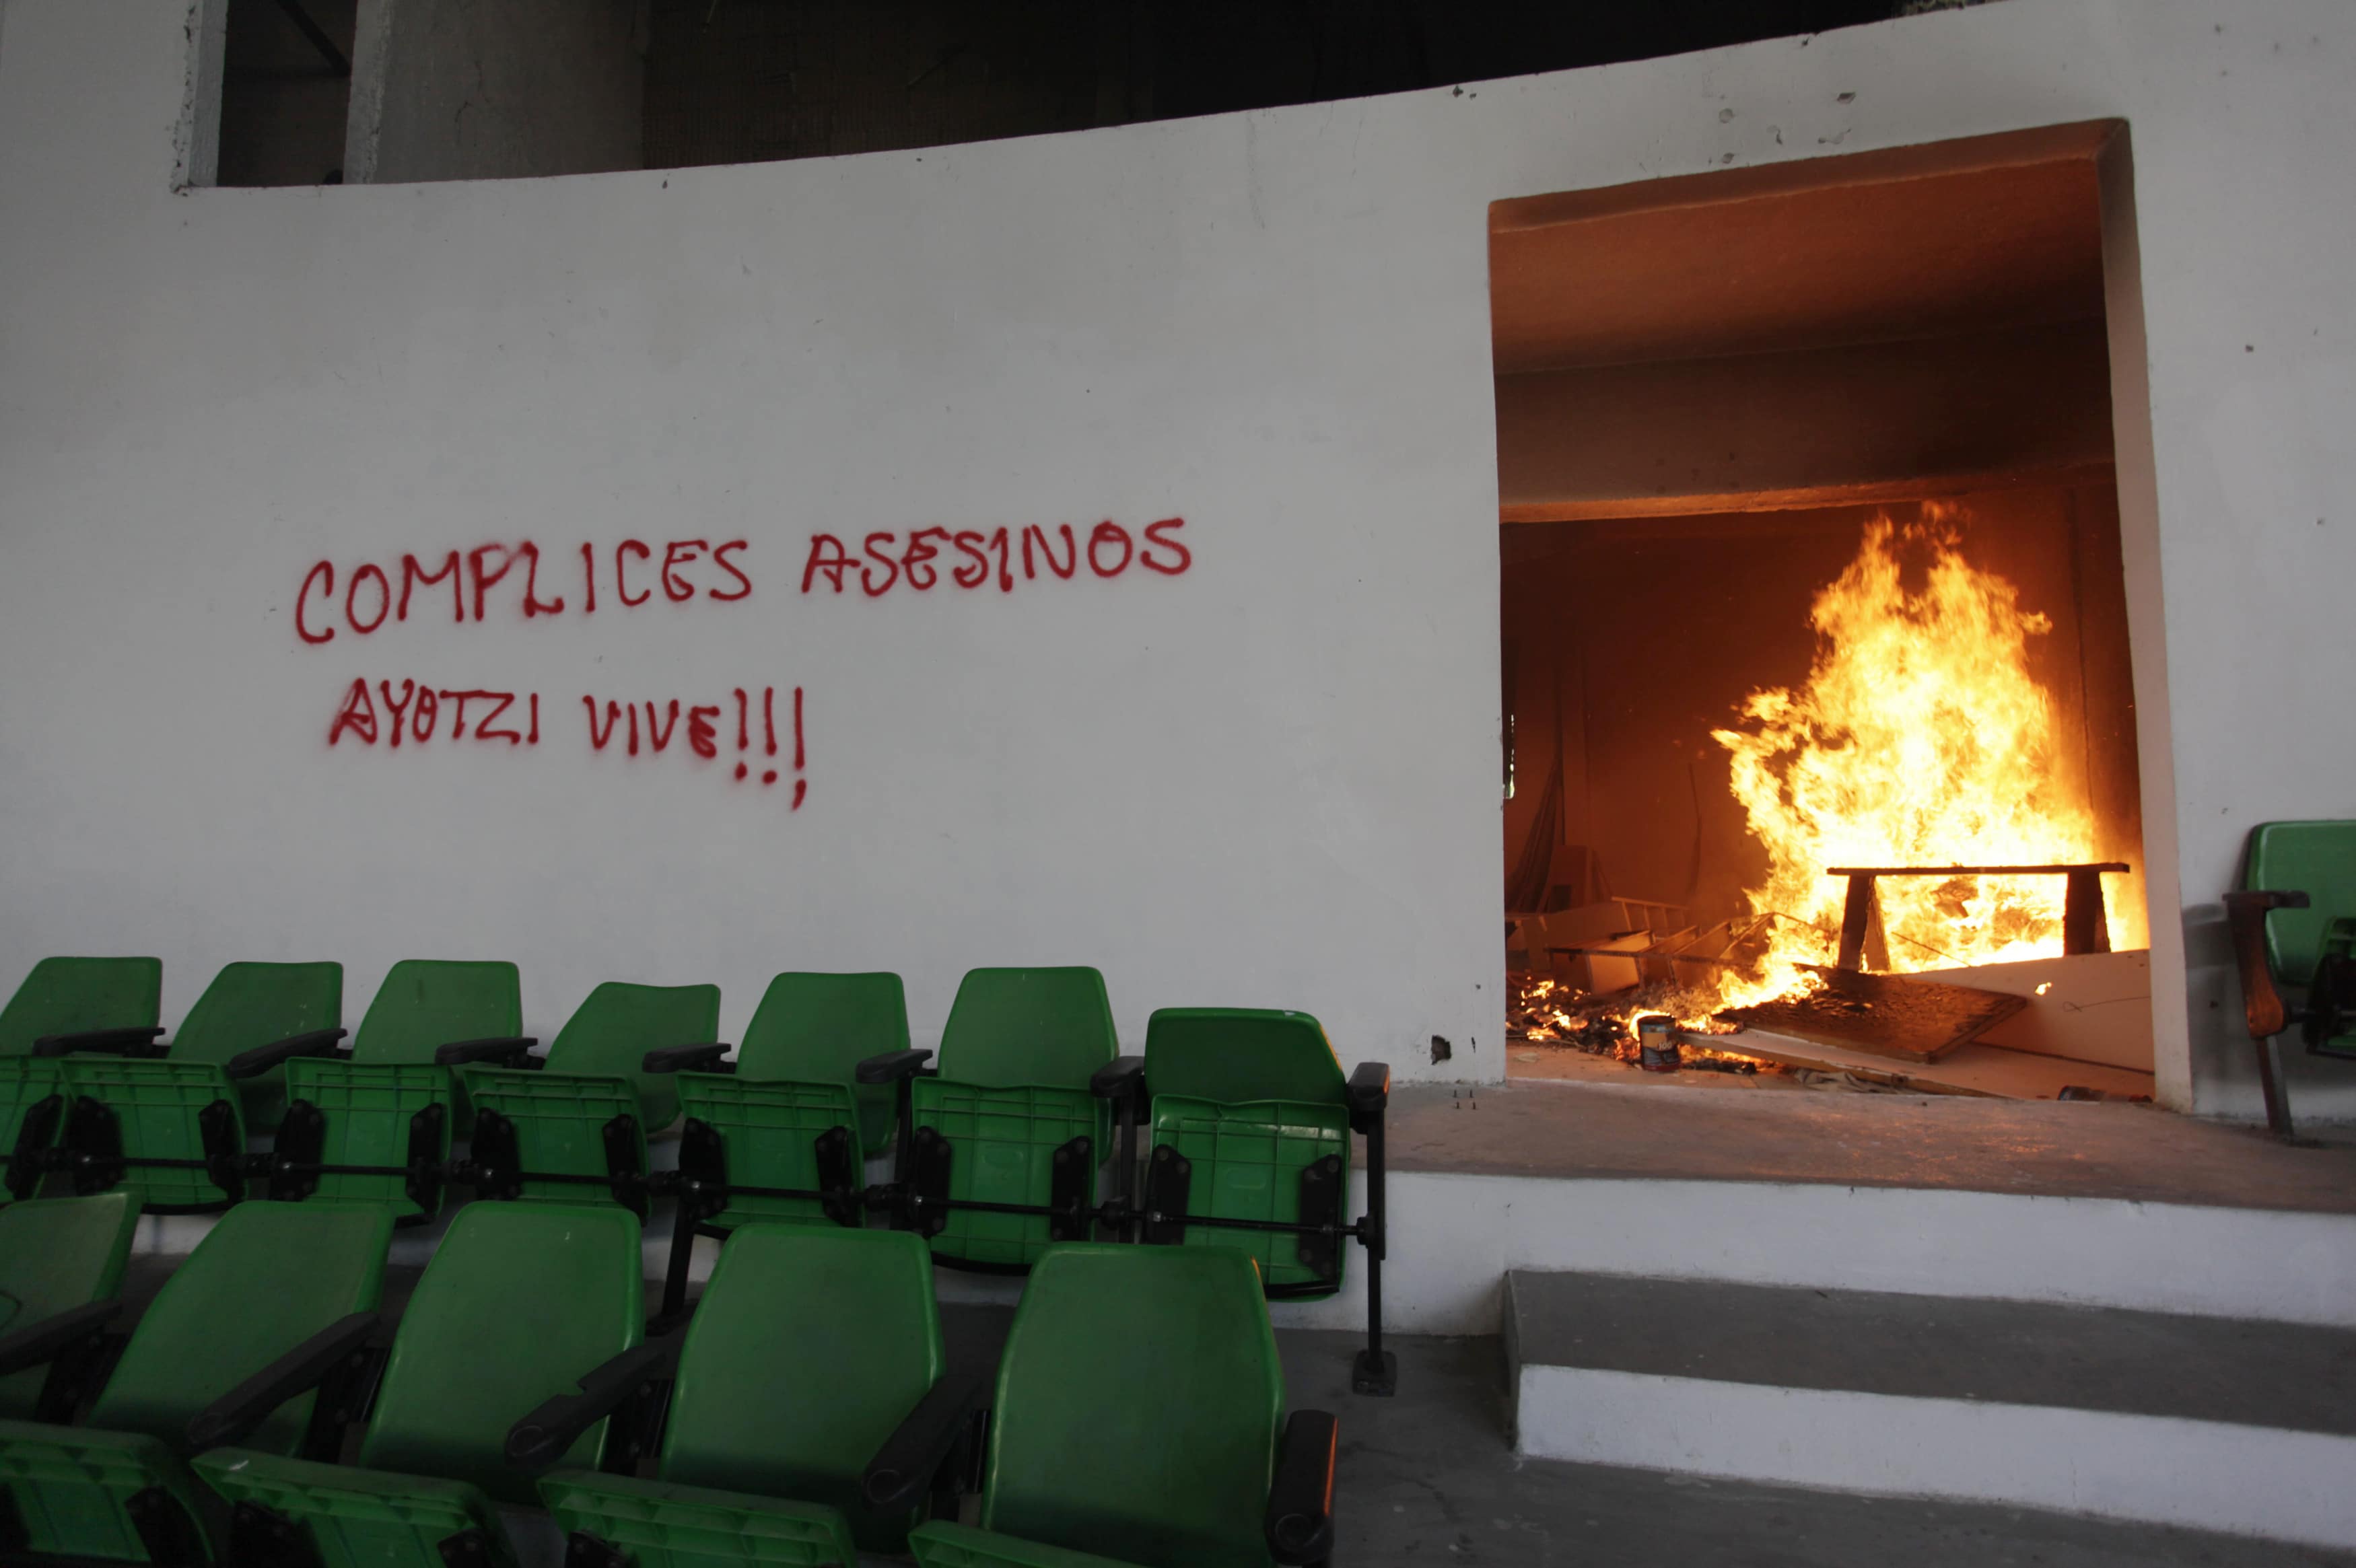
{"x": 266, "y": 1280}
{"x": 1138, "y": 1419}
{"x": 783, "y": 1131}
{"x": 1007, "y": 1132}
{"x": 547, "y": 1128}
{"x": 58, "y": 1255}
{"x": 374, "y": 1121}
{"x": 2294, "y": 927}
{"x": 518, "y": 1298}
{"x": 111, "y": 998}
{"x": 809, "y": 1420}
{"x": 1250, "y": 1120}
{"x": 168, "y": 1122}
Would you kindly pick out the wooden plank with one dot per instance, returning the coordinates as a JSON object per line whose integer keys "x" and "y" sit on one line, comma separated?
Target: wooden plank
{"x": 1976, "y": 1069}
{"x": 1884, "y": 1014}
{"x": 2093, "y": 1006}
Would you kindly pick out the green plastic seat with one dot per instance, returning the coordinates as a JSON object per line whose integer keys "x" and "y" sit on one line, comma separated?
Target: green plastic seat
{"x": 261, "y": 1284}
{"x": 172, "y": 1127}
{"x": 378, "y": 1109}
{"x": 579, "y": 1119}
{"x": 56, "y": 1253}
{"x": 60, "y": 997}
{"x": 1136, "y": 1420}
{"x": 2294, "y": 927}
{"x": 808, "y": 1351}
{"x": 1011, "y": 1095}
{"x": 518, "y": 1298}
{"x": 1254, "y": 1110}
{"x": 788, "y": 1116}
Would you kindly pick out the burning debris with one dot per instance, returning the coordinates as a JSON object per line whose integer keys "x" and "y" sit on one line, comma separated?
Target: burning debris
{"x": 1920, "y": 741}
{"x": 1548, "y": 1012}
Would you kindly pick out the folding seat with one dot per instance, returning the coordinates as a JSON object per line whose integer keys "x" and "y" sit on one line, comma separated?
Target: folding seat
{"x": 546, "y": 1127}
{"x": 783, "y": 1131}
{"x": 374, "y": 1121}
{"x": 809, "y": 1419}
{"x": 168, "y": 1122}
{"x": 110, "y": 998}
{"x": 1250, "y": 1122}
{"x": 1138, "y": 1418}
{"x": 1007, "y": 1132}
{"x": 265, "y": 1281}
{"x": 61, "y": 1262}
{"x": 518, "y": 1298}
{"x": 2294, "y": 926}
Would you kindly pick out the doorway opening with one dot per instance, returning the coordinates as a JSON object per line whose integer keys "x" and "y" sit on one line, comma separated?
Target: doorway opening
{"x": 1820, "y": 718}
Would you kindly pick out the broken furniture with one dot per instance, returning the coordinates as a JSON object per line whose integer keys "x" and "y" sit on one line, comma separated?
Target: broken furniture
{"x": 2294, "y": 927}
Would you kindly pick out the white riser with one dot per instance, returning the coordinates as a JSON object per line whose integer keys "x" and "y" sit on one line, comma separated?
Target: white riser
{"x": 1453, "y": 1237}
{"x": 2287, "y": 1486}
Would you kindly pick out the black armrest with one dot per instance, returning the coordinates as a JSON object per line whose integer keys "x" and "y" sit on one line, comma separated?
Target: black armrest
{"x": 1121, "y": 1076}
{"x": 903, "y": 1469}
{"x": 512, "y": 1052}
{"x": 1368, "y": 1091}
{"x": 263, "y": 1057}
{"x": 893, "y": 1066}
{"x": 1299, "y": 1522}
{"x": 542, "y": 1438}
{"x": 44, "y": 1341}
{"x": 2245, "y": 914}
{"x": 139, "y": 1041}
{"x": 249, "y": 1404}
{"x": 704, "y": 1058}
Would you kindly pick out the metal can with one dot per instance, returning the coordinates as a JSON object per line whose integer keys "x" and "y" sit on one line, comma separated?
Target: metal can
{"x": 1657, "y": 1042}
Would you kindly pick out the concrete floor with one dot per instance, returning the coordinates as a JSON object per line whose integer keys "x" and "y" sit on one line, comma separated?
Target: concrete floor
{"x": 1717, "y": 1127}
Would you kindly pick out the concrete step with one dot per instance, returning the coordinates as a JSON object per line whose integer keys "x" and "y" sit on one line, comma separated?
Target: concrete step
{"x": 2219, "y": 1423}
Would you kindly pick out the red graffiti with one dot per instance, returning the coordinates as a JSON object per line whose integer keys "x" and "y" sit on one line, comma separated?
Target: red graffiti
{"x": 384, "y": 714}
{"x": 885, "y": 561}
{"x": 617, "y": 725}
{"x": 495, "y": 579}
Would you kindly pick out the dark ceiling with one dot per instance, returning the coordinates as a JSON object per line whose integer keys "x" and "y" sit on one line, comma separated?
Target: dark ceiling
{"x": 741, "y": 80}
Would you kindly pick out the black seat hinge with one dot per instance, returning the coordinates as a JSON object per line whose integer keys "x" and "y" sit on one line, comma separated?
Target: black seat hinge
{"x": 294, "y": 1155}
{"x": 164, "y": 1527}
{"x": 625, "y": 1173}
{"x": 843, "y": 1195}
{"x": 424, "y": 1184}
{"x": 583, "y": 1549}
{"x": 2331, "y": 996}
{"x": 93, "y": 1146}
{"x": 1320, "y": 1206}
{"x": 34, "y": 1136}
{"x": 1071, "y": 1182}
{"x": 493, "y": 1166}
{"x": 468, "y": 1549}
{"x": 702, "y": 1184}
{"x": 259, "y": 1537}
{"x": 929, "y": 1181}
{"x": 224, "y": 1149}
{"x": 1168, "y": 1176}
{"x": 343, "y": 1400}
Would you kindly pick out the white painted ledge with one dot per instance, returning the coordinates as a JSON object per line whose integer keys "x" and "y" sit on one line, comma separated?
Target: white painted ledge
{"x": 2245, "y": 1481}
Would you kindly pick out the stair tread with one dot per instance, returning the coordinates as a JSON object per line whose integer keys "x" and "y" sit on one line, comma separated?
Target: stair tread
{"x": 2294, "y": 1377}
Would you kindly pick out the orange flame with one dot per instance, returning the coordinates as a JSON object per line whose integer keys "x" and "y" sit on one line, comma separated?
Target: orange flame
{"x": 1919, "y": 738}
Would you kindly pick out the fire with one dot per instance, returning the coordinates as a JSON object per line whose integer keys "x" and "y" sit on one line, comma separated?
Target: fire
{"x": 1919, "y": 738}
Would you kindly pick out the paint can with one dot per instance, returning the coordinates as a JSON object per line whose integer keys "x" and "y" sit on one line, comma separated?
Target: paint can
{"x": 1657, "y": 1042}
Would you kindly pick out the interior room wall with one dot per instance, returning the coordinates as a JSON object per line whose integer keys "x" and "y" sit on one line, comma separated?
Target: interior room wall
{"x": 1272, "y": 779}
